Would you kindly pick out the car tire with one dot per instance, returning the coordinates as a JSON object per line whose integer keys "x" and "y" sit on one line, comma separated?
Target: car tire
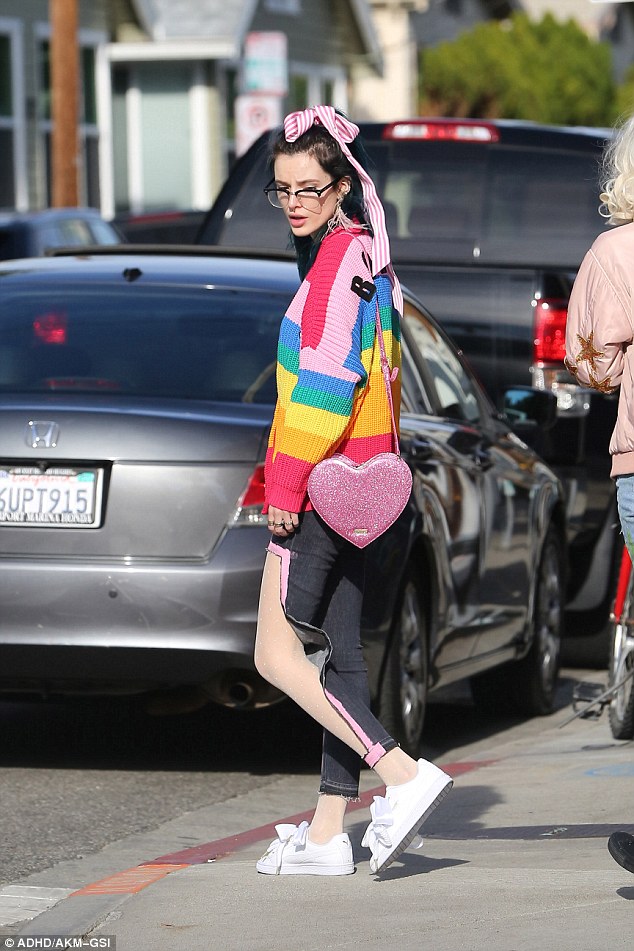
{"x": 528, "y": 685}
{"x": 403, "y": 697}
{"x": 621, "y": 709}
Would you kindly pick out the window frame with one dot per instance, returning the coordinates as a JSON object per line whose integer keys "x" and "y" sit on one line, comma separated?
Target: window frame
{"x": 16, "y": 122}
{"x": 89, "y": 132}
{"x": 317, "y": 79}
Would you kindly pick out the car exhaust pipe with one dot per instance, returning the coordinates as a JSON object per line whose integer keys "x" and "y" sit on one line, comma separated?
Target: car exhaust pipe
{"x": 240, "y": 694}
{"x": 242, "y": 690}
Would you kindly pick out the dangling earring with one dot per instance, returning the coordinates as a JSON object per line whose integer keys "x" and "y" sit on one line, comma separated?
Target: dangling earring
{"x": 339, "y": 218}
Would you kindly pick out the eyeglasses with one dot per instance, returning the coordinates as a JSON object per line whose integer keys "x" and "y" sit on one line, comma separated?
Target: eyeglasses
{"x": 308, "y": 198}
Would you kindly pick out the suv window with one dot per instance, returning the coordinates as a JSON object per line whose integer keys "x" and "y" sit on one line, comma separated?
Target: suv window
{"x": 454, "y": 389}
{"x": 495, "y": 203}
{"x": 414, "y": 396}
{"x": 434, "y": 202}
{"x": 529, "y": 199}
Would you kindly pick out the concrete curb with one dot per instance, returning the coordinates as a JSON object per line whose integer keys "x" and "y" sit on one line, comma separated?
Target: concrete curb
{"x": 87, "y": 908}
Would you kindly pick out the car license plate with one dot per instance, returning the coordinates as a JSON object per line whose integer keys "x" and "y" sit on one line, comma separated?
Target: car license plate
{"x": 57, "y": 497}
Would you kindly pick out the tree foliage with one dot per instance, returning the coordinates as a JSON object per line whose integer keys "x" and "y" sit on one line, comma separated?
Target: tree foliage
{"x": 625, "y": 96}
{"x": 521, "y": 69}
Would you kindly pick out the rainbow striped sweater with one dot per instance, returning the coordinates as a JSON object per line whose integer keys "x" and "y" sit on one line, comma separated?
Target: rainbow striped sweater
{"x": 331, "y": 391}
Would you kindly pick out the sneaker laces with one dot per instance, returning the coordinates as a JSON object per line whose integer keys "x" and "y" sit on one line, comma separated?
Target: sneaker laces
{"x": 382, "y": 819}
{"x": 289, "y": 834}
{"x": 377, "y": 832}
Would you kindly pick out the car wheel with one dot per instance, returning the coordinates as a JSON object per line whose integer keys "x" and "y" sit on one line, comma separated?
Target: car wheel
{"x": 529, "y": 685}
{"x": 403, "y": 696}
{"x": 621, "y": 709}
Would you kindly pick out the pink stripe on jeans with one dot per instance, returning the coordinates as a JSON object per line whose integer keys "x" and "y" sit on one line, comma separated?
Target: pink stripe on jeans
{"x": 374, "y": 754}
{"x": 375, "y": 750}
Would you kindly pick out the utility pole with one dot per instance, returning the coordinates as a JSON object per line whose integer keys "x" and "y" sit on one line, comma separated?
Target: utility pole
{"x": 64, "y": 62}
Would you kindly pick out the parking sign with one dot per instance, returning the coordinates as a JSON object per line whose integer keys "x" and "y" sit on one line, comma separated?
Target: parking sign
{"x": 254, "y": 115}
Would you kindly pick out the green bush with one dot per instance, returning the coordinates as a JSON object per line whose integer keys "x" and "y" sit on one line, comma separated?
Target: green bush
{"x": 625, "y": 96}
{"x": 521, "y": 69}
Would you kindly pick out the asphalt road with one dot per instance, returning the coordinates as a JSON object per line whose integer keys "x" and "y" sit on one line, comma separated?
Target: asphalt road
{"x": 77, "y": 776}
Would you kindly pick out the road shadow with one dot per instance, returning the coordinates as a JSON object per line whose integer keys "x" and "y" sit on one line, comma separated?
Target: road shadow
{"x": 118, "y": 733}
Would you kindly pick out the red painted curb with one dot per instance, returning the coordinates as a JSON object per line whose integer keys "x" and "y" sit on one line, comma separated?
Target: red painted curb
{"x": 134, "y": 879}
{"x": 129, "y": 881}
{"x": 220, "y": 848}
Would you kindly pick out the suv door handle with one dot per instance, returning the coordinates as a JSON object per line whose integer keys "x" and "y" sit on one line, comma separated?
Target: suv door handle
{"x": 482, "y": 458}
{"x": 418, "y": 448}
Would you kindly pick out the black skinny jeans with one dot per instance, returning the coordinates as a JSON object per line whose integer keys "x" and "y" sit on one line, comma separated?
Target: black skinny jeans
{"x": 322, "y": 578}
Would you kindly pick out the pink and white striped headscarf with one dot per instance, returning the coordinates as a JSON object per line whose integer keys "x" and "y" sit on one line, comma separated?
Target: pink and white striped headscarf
{"x": 344, "y": 131}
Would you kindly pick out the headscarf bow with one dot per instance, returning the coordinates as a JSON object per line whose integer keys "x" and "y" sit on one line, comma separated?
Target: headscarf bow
{"x": 345, "y": 131}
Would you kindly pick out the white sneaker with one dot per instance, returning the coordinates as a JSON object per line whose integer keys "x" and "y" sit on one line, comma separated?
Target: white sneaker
{"x": 397, "y": 818}
{"x": 292, "y": 853}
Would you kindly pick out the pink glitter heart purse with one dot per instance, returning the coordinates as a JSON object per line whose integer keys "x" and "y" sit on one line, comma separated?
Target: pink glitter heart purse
{"x": 360, "y": 502}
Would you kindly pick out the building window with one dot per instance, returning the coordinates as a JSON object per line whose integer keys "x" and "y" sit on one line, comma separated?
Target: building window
{"x": 298, "y": 92}
{"x": 7, "y": 131}
{"x": 10, "y": 128}
{"x": 309, "y": 84}
{"x": 154, "y": 124}
{"x": 88, "y": 129}
{"x": 6, "y": 86}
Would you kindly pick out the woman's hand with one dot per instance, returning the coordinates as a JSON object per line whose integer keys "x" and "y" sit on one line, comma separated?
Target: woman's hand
{"x": 280, "y": 522}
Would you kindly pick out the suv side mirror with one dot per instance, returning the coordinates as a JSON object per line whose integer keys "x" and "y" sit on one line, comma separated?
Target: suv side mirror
{"x": 531, "y": 413}
{"x": 528, "y": 409}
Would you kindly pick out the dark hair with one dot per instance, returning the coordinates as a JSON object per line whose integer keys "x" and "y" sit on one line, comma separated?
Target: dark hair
{"x": 317, "y": 141}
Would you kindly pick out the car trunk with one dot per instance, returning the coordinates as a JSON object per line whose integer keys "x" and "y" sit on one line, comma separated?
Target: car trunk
{"x": 163, "y": 480}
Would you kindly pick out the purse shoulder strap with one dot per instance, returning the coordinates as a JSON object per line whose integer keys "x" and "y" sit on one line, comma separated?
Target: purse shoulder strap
{"x": 388, "y": 375}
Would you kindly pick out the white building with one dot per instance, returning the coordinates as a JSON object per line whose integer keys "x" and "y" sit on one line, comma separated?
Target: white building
{"x": 160, "y": 79}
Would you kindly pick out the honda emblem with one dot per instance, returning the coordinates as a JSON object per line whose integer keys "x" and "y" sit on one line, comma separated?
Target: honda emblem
{"x": 42, "y": 434}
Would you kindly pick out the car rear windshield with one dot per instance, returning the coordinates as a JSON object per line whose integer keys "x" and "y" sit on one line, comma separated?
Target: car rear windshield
{"x": 164, "y": 341}
{"x": 456, "y": 202}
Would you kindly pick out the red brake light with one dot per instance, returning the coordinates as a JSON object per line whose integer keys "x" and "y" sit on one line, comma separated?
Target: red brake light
{"x": 81, "y": 383}
{"x": 50, "y": 328}
{"x": 549, "y": 343}
{"x": 254, "y": 493}
{"x": 442, "y": 130}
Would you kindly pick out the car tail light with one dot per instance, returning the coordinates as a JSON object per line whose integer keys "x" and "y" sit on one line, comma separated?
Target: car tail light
{"x": 549, "y": 343}
{"x": 549, "y": 350}
{"x": 86, "y": 383}
{"x": 442, "y": 130}
{"x": 249, "y": 505}
{"x": 50, "y": 328}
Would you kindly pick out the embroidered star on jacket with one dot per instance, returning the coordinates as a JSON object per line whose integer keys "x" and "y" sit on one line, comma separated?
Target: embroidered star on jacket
{"x": 571, "y": 368}
{"x": 604, "y": 386}
{"x": 588, "y": 351}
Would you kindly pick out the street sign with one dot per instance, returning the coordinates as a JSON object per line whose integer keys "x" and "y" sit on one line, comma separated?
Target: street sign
{"x": 265, "y": 67}
{"x": 255, "y": 114}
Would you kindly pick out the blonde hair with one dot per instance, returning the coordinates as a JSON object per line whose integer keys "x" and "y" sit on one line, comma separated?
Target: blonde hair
{"x": 617, "y": 195}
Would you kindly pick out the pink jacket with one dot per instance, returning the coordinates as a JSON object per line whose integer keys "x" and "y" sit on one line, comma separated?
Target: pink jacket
{"x": 599, "y": 332}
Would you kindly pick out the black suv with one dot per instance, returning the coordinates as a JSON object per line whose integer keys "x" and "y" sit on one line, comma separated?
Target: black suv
{"x": 489, "y": 222}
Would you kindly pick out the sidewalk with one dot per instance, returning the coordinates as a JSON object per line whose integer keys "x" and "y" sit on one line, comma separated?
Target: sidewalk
{"x": 515, "y": 859}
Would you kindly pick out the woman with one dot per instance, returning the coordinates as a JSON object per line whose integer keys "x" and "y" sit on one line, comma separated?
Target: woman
{"x": 331, "y": 397}
{"x": 599, "y": 336}
{"x": 599, "y": 332}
